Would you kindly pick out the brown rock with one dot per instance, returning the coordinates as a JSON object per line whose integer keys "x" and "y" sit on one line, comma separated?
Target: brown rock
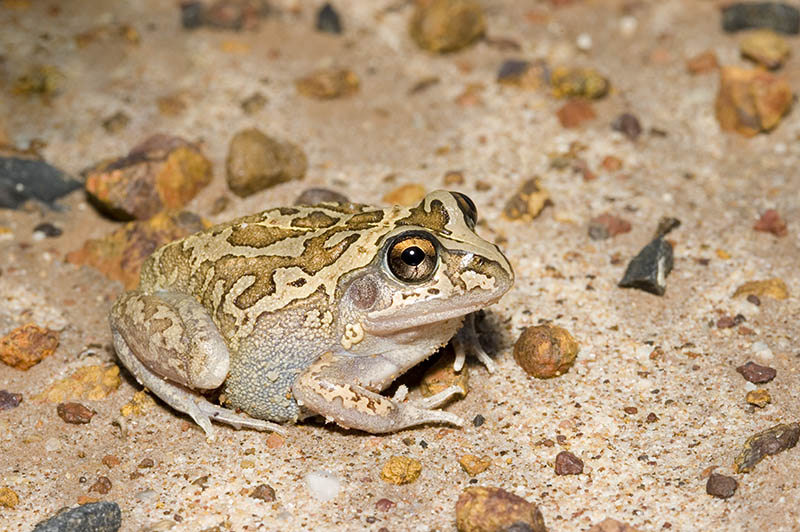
{"x": 8, "y": 498}
{"x": 702, "y": 63}
{"x": 756, "y": 373}
{"x": 721, "y": 486}
{"x": 751, "y": 101}
{"x": 447, "y": 25}
{"x": 9, "y": 400}
{"x": 274, "y": 440}
{"x": 578, "y": 83}
{"x": 628, "y": 125}
{"x": 488, "y": 509}
{"x": 441, "y": 376}
{"x": 527, "y": 202}
{"x": 116, "y": 122}
{"x": 171, "y": 105}
{"x": 607, "y": 225}
{"x": 545, "y": 351}
{"x": 759, "y": 398}
{"x": 384, "y": 505}
{"x": 102, "y": 485}
{"x": 771, "y": 222}
{"x": 146, "y": 463}
{"x": 568, "y": 464}
{"x": 263, "y": 492}
{"x": 75, "y": 413}
{"x": 120, "y": 254}
{"x": 163, "y": 172}
{"x": 90, "y": 383}
{"x": 611, "y": 163}
{"x": 453, "y": 178}
{"x": 407, "y": 195}
{"x": 523, "y": 74}
{"x": 772, "y": 441}
{"x": 473, "y": 465}
{"x": 254, "y": 103}
{"x": 26, "y": 346}
{"x": 401, "y": 470}
{"x": 328, "y": 83}
{"x": 110, "y": 461}
{"x": 765, "y": 47}
{"x": 612, "y": 525}
{"x": 774, "y": 288}
{"x": 314, "y": 196}
{"x": 256, "y": 162}
{"x": 575, "y": 112}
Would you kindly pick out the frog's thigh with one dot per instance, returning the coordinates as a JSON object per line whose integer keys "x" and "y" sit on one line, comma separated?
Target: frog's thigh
{"x": 328, "y": 387}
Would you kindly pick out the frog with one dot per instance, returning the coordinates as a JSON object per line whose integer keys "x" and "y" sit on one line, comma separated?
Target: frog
{"x": 311, "y": 310}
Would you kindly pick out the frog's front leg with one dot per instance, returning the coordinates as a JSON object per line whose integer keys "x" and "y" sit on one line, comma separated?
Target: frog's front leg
{"x": 170, "y": 344}
{"x": 330, "y": 387}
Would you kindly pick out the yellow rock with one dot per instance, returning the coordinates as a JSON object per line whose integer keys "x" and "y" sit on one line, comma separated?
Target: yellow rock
{"x": 140, "y": 404}
{"x": 447, "y": 25}
{"x": 765, "y": 47}
{"x": 401, "y": 470}
{"x": 90, "y": 382}
{"x": 8, "y": 498}
{"x": 474, "y": 465}
{"x": 759, "y": 398}
{"x": 527, "y": 202}
{"x": 774, "y": 288}
{"x": 329, "y": 83}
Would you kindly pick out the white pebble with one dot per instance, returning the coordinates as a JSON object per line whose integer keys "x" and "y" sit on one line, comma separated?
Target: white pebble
{"x": 762, "y": 350}
{"x": 52, "y": 444}
{"x": 322, "y": 485}
{"x": 627, "y": 25}
{"x": 584, "y": 42}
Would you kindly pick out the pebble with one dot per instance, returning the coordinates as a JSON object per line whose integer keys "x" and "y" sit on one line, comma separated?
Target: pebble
{"x": 90, "y": 383}
{"x": 256, "y": 162}
{"x": 759, "y": 398}
{"x": 612, "y": 525}
{"x": 41, "y": 80}
{"x": 328, "y": 20}
{"x": 48, "y": 230}
{"x": 443, "y": 26}
{"x": 578, "y": 83}
{"x": 473, "y": 465}
{"x": 8, "y": 498}
{"x": 777, "y": 16}
{"x": 116, "y": 122}
{"x": 140, "y": 404}
{"x": 766, "y": 48}
{"x": 146, "y": 463}
{"x": 9, "y": 400}
{"x": 253, "y": 103}
{"x": 702, "y": 63}
{"x": 584, "y": 42}
{"x": 384, "y": 505}
{"x": 527, "y": 202}
{"x": 666, "y": 224}
{"x": 649, "y": 269}
{"x": 234, "y": 15}
{"x": 26, "y": 346}
{"x": 401, "y": 470}
{"x": 90, "y": 517}
{"x": 611, "y": 163}
{"x": 328, "y": 84}
{"x": 74, "y": 413}
{"x": 26, "y": 177}
{"x": 545, "y": 351}
{"x": 756, "y": 373}
{"x": 478, "y": 420}
{"x": 771, "y": 222}
{"x": 523, "y": 74}
{"x": 721, "y": 486}
{"x": 607, "y": 225}
{"x": 490, "y": 509}
{"x": 406, "y": 195}
{"x": 772, "y": 441}
{"x": 774, "y": 288}
{"x": 568, "y": 464}
{"x": 191, "y": 14}
{"x": 750, "y": 101}
{"x": 102, "y": 485}
{"x": 163, "y": 172}
{"x": 322, "y": 485}
{"x": 442, "y": 375}
{"x": 263, "y": 492}
{"x": 314, "y": 196}
{"x": 110, "y": 461}
{"x": 574, "y": 113}
{"x": 628, "y": 125}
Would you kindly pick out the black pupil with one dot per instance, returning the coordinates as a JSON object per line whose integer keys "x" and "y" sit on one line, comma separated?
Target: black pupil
{"x": 413, "y": 256}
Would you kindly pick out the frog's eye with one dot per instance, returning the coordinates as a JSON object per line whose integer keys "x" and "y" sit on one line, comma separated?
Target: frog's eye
{"x": 467, "y": 208}
{"x": 412, "y": 257}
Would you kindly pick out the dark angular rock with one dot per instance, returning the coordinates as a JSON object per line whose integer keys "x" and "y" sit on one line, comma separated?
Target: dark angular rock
{"x": 47, "y": 229}
{"x": 649, "y": 269}
{"x": 773, "y": 15}
{"x": 756, "y": 373}
{"x": 92, "y": 517}
{"x": 568, "y": 464}
{"x": 771, "y": 441}
{"x": 191, "y": 14}
{"x": 665, "y": 225}
{"x": 721, "y": 486}
{"x": 23, "y": 177}
{"x": 628, "y": 125}
{"x": 328, "y": 20}
{"x": 9, "y": 400}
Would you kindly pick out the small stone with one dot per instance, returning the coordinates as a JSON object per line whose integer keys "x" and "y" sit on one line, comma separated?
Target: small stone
{"x": 607, "y": 225}
{"x": 631, "y": 410}
{"x": 101, "y": 486}
{"x": 754, "y": 300}
{"x": 766, "y": 48}
{"x": 750, "y": 101}
{"x": 233, "y": 15}
{"x": 191, "y": 14}
{"x": 401, "y": 470}
{"x": 406, "y": 195}
{"x": 578, "y": 83}
{"x": 274, "y": 440}
{"x": 666, "y": 224}
{"x": 8, "y": 498}
{"x": 527, "y": 202}
{"x": 649, "y": 269}
{"x": 489, "y": 509}
{"x": 116, "y": 122}
{"x": 328, "y": 20}
{"x": 24, "y": 176}
{"x": 328, "y": 83}
{"x": 322, "y": 485}
{"x": 453, "y": 178}
{"x": 171, "y": 105}
{"x": 384, "y": 505}
{"x": 92, "y": 516}
{"x": 545, "y": 351}
{"x": 74, "y": 413}
{"x": 574, "y": 113}
{"x": 780, "y": 17}
{"x": 774, "y": 288}
{"x": 256, "y": 162}
{"x": 443, "y": 26}
{"x": 702, "y": 63}
{"x": 471, "y": 95}
{"x": 568, "y": 464}
{"x": 9, "y": 400}
{"x": 254, "y": 103}
{"x": 110, "y": 461}
{"x": 48, "y": 230}
{"x": 759, "y": 398}
{"x": 721, "y": 486}
{"x": 139, "y": 405}
{"x": 756, "y": 373}
{"x": 442, "y": 375}
{"x": 473, "y": 465}
{"x": 478, "y": 420}
{"x": 315, "y": 196}
{"x": 120, "y": 254}
{"x": 522, "y": 74}
{"x": 263, "y": 492}
{"x": 26, "y": 346}
{"x": 163, "y": 172}
{"x": 612, "y": 525}
{"x": 611, "y": 163}
{"x": 628, "y": 125}
{"x": 89, "y": 383}
{"x": 146, "y": 463}
{"x": 725, "y": 322}
{"x": 651, "y": 418}
{"x": 771, "y": 222}
{"x": 772, "y": 441}
{"x": 41, "y": 80}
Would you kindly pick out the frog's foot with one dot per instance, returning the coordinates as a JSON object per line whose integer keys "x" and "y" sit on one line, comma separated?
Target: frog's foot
{"x": 437, "y": 400}
{"x": 467, "y": 341}
{"x": 234, "y": 419}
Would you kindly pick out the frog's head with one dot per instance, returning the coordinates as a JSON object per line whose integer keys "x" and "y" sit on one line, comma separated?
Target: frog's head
{"x": 431, "y": 267}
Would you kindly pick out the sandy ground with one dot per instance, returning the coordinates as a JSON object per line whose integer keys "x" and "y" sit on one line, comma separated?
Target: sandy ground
{"x": 649, "y": 475}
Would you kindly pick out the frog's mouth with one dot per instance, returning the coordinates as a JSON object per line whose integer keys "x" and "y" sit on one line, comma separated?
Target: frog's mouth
{"x": 381, "y": 324}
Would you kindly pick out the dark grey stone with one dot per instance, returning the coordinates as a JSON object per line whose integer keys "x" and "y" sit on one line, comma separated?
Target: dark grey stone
{"x": 773, "y": 15}
{"x": 649, "y": 269}
{"x": 92, "y": 517}
{"x": 328, "y": 20}
{"x": 23, "y": 179}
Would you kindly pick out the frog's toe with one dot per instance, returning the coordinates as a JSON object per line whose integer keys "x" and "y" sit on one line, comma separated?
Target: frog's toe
{"x": 437, "y": 400}
{"x": 235, "y": 420}
{"x": 467, "y": 342}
